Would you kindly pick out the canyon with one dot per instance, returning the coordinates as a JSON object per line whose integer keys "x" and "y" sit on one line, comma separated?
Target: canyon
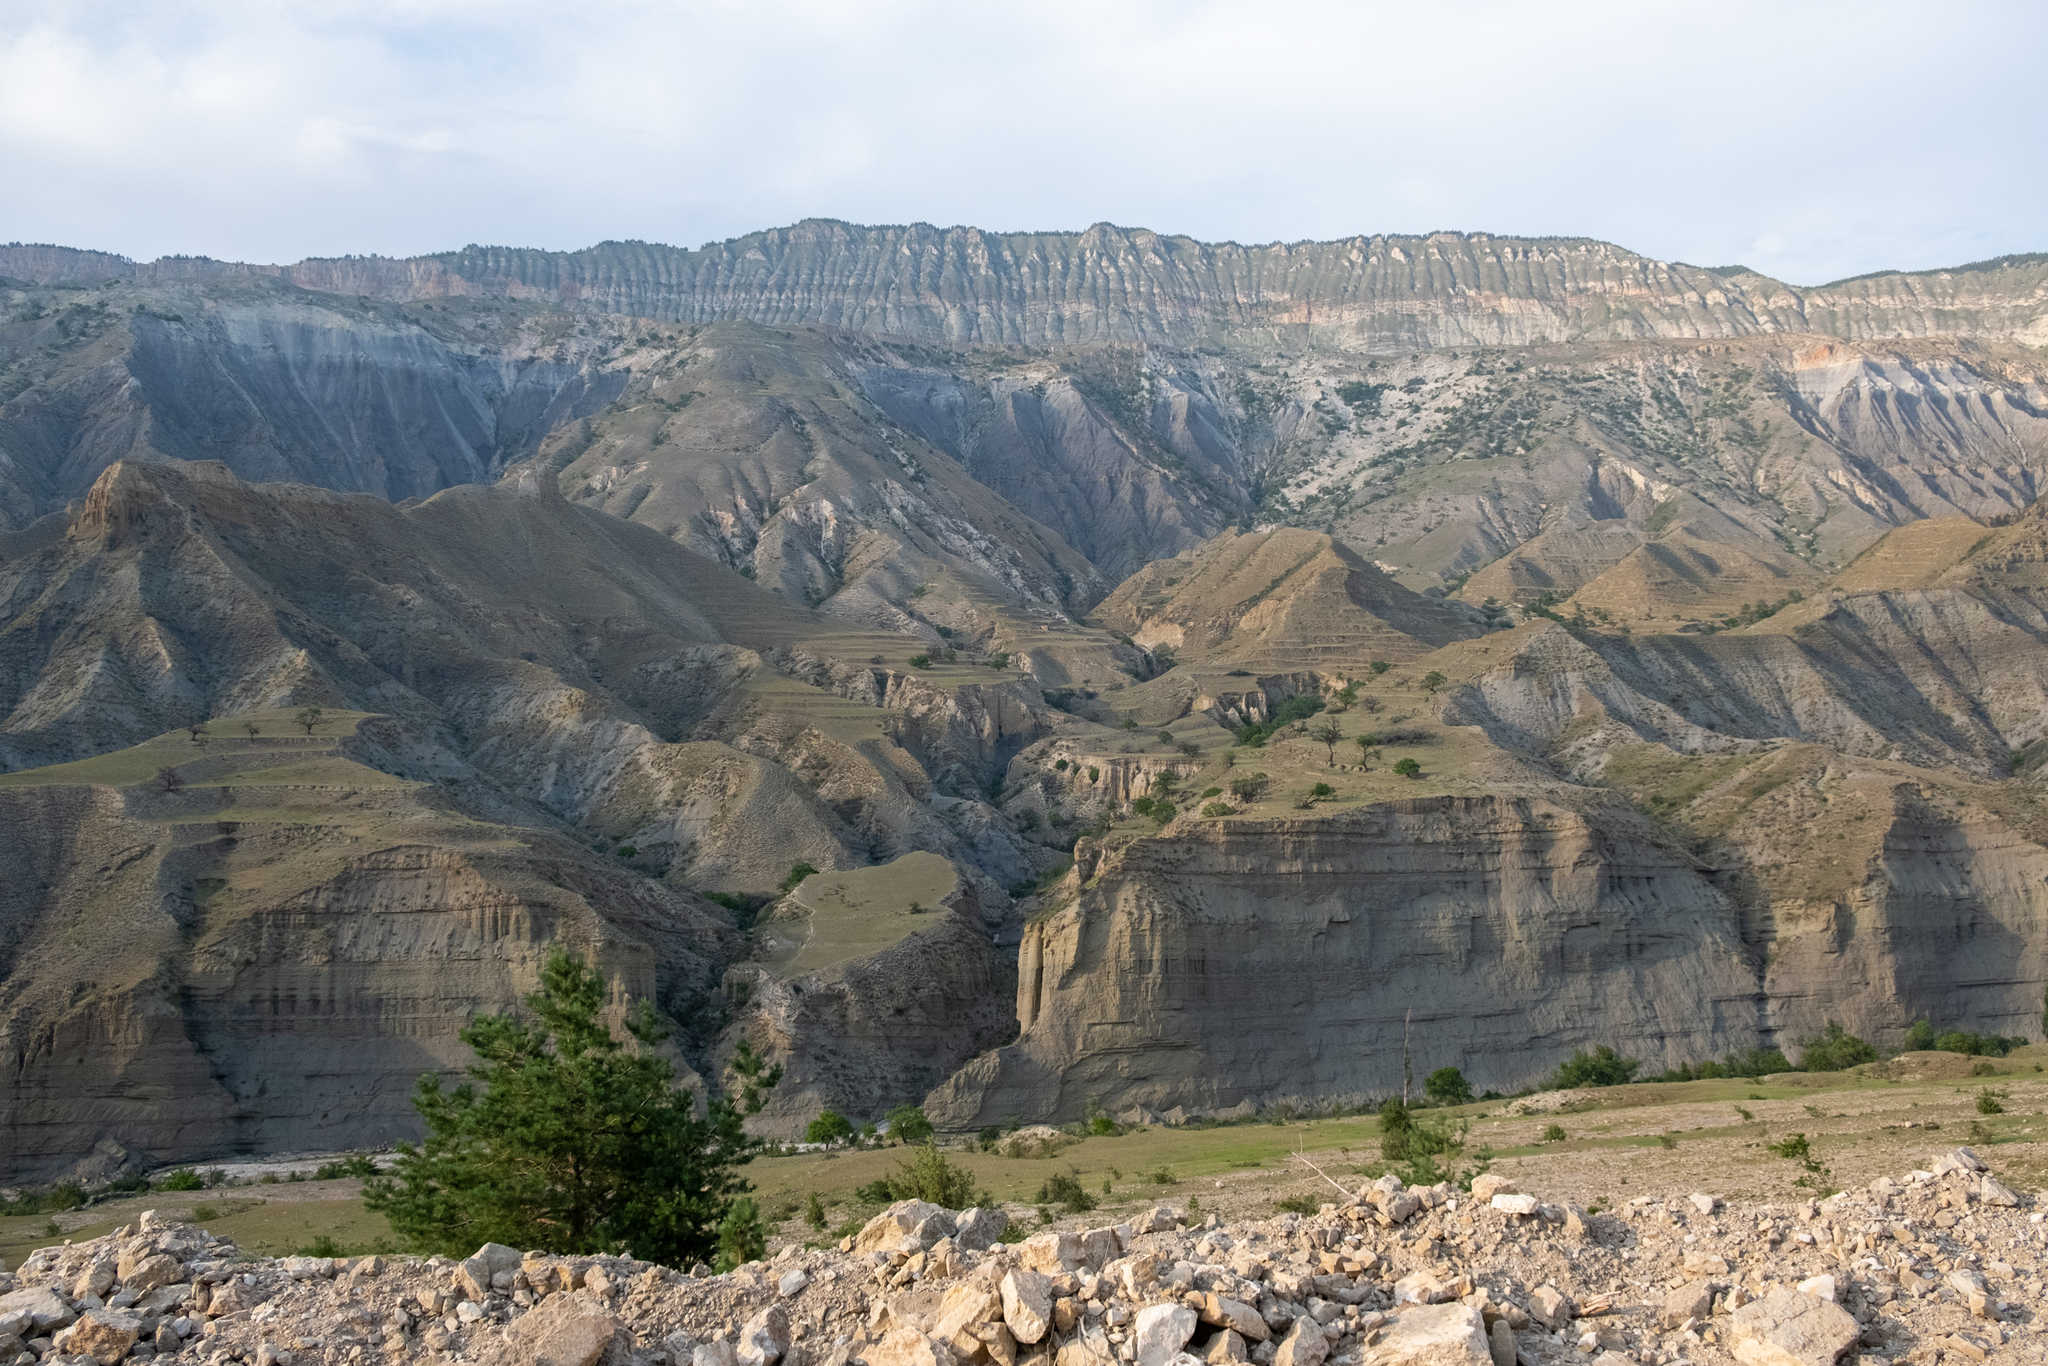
{"x": 1006, "y": 584}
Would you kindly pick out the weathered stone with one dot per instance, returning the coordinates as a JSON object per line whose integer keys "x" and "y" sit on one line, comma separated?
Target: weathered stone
{"x": 1822, "y": 1286}
{"x": 764, "y": 1338}
{"x": 96, "y": 1278}
{"x": 1225, "y": 1349}
{"x": 1100, "y": 1246}
{"x": 475, "y": 1274}
{"x": 564, "y": 1330}
{"x": 1160, "y": 1331}
{"x": 45, "y": 1308}
{"x": 1549, "y": 1307}
{"x": 1490, "y": 1184}
{"x": 906, "y": 1346}
{"x": 1419, "y": 1287}
{"x": 901, "y": 1228}
{"x": 966, "y": 1303}
{"x": 1305, "y": 1345}
{"x": 1234, "y": 1315}
{"x": 977, "y": 1230}
{"x": 1434, "y": 1335}
{"x": 714, "y": 1354}
{"x": 1576, "y": 1225}
{"x": 1051, "y": 1253}
{"x": 1786, "y": 1328}
{"x": 792, "y": 1282}
{"x": 1027, "y": 1304}
{"x": 1992, "y": 1191}
{"x": 1522, "y": 1205}
{"x": 105, "y": 1335}
{"x": 1693, "y": 1300}
{"x": 1500, "y": 1341}
{"x": 1702, "y": 1202}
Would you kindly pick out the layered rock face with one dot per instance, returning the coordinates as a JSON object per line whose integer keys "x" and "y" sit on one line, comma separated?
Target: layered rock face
{"x": 270, "y": 963}
{"x": 853, "y": 1022}
{"x": 1122, "y": 284}
{"x": 1261, "y": 959}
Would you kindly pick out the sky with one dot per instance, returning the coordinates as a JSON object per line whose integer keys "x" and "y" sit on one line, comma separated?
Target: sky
{"x": 1809, "y": 141}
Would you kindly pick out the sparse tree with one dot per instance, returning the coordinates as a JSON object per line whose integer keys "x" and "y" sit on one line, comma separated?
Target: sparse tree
{"x": 253, "y": 729}
{"x": 1247, "y": 787}
{"x": 1433, "y": 680}
{"x": 308, "y": 717}
{"x": 1379, "y": 666}
{"x": 1408, "y": 768}
{"x": 198, "y": 731}
{"x": 576, "y": 1143}
{"x": 168, "y": 779}
{"x": 1329, "y": 735}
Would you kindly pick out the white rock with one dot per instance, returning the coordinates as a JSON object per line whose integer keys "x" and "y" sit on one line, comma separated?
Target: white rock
{"x": 1438, "y": 1335}
{"x": 1515, "y": 1204}
{"x": 1702, "y": 1202}
{"x": 1161, "y": 1331}
{"x": 1821, "y": 1286}
{"x": 792, "y": 1282}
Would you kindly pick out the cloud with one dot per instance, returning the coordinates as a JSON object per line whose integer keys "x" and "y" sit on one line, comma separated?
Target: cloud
{"x": 1808, "y": 141}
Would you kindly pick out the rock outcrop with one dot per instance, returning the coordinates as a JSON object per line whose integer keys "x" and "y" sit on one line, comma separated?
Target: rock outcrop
{"x": 1258, "y": 959}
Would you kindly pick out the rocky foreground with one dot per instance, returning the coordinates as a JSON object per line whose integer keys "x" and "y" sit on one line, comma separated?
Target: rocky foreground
{"x": 1944, "y": 1264}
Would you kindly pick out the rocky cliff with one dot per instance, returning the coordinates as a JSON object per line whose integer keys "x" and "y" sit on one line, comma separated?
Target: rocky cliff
{"x": 1256, "y": 960}
{"x": 268, "y": 958}
{"x": 1107, "y": 283}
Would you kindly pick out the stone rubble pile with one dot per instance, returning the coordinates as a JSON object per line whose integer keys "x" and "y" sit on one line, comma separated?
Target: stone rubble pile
{"x": 1941, "y": 1265}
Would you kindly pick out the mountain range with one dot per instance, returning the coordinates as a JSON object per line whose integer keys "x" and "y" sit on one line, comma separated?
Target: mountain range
{"x": 633, "y": 582}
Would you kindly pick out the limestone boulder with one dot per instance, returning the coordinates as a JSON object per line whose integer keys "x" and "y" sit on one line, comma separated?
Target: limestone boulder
{"x": 1786, "y": 1328}
{"x": 564, "y": 1330}
{"x": 1433, "y": 1335}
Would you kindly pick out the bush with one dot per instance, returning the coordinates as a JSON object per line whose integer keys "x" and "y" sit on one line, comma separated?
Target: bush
{"x": 1247, "y": 786}
{"x": 1447, "y": 1086}
{"x": 875, "y": 1192}
{"x": 1064, "y": 1190}
{"x": 1990, "y": 1102}
{"x": 741, "y": 1238}
{"x": 1601, "y": 1067}
{"x": 908, "y": 1125}
{"x": 1218, "y": 809}
{"x": 829, "y": 1127}
{"x": 920, "y": 661}
{"x": 989, "y": 1136}
{"x": 566, "y": 1141}
{"x": 1163, "y": 812}
{"x": 183, "y": 1179}
{"x": 797, "y": 873}
{"x": 1920, "y": 1038}
{"x": 1833, "y": 1049}
{"x": 1758, "y": 1062}
{"x": 1160, "y": 1176}
{"x": 1553, "y": 1133}
{"x": 1299, "y": 1204}
{"x": 1977, "y": 1045}
{"x": 356, "y": 1164}
{"x": 929, "y": 1176}
{"x": 1408, "y": 768}
{"x": 814, "y": 1211}
{"x": 1322, "y": 790}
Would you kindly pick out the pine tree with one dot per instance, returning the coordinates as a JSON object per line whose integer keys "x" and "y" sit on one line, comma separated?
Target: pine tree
{"x": 575, "y": 1143}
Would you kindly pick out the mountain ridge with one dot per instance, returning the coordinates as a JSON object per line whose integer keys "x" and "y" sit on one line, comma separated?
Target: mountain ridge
{"x": 1376, "y": 292}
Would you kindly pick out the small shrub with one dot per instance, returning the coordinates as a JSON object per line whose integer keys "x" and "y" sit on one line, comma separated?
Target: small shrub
{"x": 1322, "y": 790}
{"x": 1834, "y": 1049}
{"x": 1990, "y": 1102}
{"x": 741, "y": 1238}
{"x": 1160, "y": 1176}
{"x": 929, "y": 1176}
{"x": 183, "y": 1179}
{"x": 1447, "y": 1086}
{"x": 1299, "y": 1204}
{"x": 1211, "y": 792}
{"x": 989, "y": 1136}
{"x": 354, "y": 1165}
{"x": 322, "y": 1246}
{"x": 1064, "y": 1190}
{"x": 204, "y": 1213}
{"x": 1102, "y": 1126}
{"x": 814, "y": 1211}
{"x": 1553, "y": 1133}
{"x": 1218, "y": 809}
{"x": 920, "y": 661}
{"x": 1408, "y": 768}
{"x": 797, "y": 873}
{"x": 874, "y": 1192}
{"x": 1601, "y": 1067}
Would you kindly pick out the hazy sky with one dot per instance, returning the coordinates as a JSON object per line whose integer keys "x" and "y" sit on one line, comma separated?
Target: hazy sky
{"x": 1810, "y": 141}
